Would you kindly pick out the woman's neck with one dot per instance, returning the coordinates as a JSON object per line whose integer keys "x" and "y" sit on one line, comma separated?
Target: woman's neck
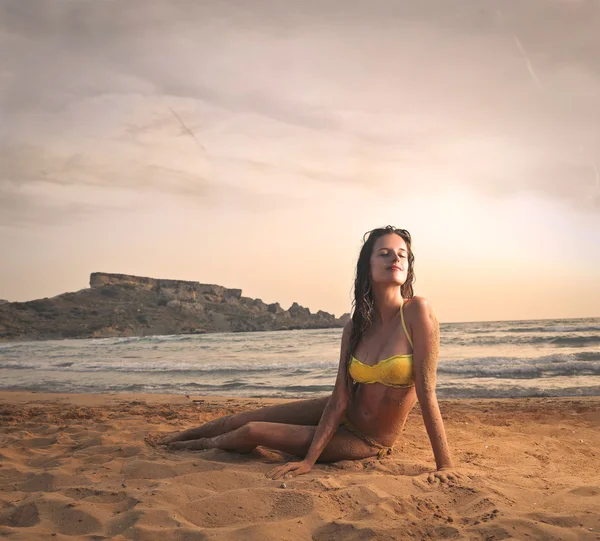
{"x": 388, "y": 300}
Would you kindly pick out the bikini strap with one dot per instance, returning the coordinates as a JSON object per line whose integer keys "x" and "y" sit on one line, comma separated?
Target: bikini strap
{"x": 404, "y": 326}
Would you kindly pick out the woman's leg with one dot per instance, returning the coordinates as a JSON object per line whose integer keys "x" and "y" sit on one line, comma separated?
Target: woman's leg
{"x": 292, "y": 439}
{"x": 299, "y": 412}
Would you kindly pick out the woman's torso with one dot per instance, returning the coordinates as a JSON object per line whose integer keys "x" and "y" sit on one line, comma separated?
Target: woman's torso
{"x": 376, "y": 409}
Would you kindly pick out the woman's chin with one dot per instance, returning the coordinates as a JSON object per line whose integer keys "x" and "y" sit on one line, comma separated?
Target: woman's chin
{"x": 390, "y": 282}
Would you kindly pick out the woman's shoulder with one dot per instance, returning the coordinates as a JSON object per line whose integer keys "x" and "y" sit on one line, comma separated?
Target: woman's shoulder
{"x": 347, "y": 331}
{"x": 347, "y": 327}
{"x": 417, "y": 308}
{"x": 416, "y": 303}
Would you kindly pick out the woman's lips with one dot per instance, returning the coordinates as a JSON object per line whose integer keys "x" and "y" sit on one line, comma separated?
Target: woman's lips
{"x": 393, "y": 267}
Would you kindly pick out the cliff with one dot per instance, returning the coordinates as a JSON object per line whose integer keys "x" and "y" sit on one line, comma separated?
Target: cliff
{"x": 124, "y": 305}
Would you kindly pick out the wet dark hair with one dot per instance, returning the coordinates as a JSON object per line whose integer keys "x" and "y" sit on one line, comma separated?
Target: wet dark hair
{"x": 364, "y": 303}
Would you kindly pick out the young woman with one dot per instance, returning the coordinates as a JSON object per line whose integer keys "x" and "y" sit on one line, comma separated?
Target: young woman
{"x": 388, "y": 361}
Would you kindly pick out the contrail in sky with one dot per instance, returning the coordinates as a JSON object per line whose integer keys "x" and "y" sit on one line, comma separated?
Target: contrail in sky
{"x": 522, "y": 51}
{"x": 527, "y": 61}
{"x": 187, "y": 130}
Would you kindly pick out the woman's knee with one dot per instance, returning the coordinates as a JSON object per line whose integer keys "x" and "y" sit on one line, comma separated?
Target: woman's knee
{"x": 237, "y": 420}
{"x": 231, "y": 422}
{"x": 252, "y": 430}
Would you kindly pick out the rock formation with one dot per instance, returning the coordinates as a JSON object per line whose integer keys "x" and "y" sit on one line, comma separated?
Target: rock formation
{"x": 124, "y": 305}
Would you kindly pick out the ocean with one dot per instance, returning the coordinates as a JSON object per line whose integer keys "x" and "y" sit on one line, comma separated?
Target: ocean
{"x": 558, "y": 357}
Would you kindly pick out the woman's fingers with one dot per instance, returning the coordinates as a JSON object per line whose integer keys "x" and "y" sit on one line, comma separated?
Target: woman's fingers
{"x": 280, "y": 471}
{"x": 282, "y": 474}
{"x": 291, "y": 469}
{"x": 273, "y": 473}
{"x": 295, "y": 472}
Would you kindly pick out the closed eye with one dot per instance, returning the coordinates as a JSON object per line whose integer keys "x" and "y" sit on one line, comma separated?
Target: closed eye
{"x": 386, "y": 252}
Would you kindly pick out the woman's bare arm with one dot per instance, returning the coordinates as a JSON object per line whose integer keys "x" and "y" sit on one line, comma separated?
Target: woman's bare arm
{"x": 336, "y": 407}
{"x": 426, "y": 338}
{"x": 332, "y": 415}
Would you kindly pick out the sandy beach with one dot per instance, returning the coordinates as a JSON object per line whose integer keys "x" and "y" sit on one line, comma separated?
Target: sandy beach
{"x": 77, "y": 466}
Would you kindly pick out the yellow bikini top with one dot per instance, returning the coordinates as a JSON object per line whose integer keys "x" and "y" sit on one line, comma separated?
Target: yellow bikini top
{"x": 397, "y": 371}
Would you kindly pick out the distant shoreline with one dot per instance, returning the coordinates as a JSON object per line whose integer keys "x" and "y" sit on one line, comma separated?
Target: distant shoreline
{"x": 41, "y": 339}
{"x": 292, "y": 328}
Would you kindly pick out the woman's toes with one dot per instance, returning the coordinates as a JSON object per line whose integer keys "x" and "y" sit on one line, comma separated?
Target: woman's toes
{"x": 177, "y": 444}
{"x": 169, "y": 439}
{"x": 154, "y": 440}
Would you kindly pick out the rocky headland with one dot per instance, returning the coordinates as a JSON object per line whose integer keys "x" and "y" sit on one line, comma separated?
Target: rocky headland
{"x": 124, "y": 305}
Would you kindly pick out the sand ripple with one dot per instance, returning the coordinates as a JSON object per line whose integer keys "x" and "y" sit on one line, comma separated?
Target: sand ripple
{"x": 73, "y": 471}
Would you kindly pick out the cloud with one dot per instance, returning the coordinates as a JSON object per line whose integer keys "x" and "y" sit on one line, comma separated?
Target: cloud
{"x": 205, "y": 99}
{"x": 21, "y": 207}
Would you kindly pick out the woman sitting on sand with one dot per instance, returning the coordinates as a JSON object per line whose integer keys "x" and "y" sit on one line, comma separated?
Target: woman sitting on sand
{"x": 388, "y": 361}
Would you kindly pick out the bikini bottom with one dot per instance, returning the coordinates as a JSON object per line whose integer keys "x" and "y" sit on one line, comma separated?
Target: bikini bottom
{"x": 383, "y": 450}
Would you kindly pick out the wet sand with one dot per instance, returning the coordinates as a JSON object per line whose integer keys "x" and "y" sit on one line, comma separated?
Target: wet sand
{"x": 77, "y": 466}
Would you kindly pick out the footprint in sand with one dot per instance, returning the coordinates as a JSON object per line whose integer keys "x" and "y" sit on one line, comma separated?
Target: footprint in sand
{"x": 116, "y": 501}
{"x": 122, "y": 522}
{"x": 116, "y": 451}
{"x": 345, "y": 531}
{"x": 246, "y": 506}
{"x": 48, "y": 482}
{"x": 586, "y": 491}
{"x": 41, "y": 482}
{"x": 47, "y": 462}
{"x": 23, "y": 516}
{"x": 143, "y": 469}
{"x": 71, "y": 521}
{"x": 37, "y": 443}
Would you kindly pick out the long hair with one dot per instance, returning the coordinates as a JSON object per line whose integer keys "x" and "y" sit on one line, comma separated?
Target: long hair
{"x": 363, "y": 303}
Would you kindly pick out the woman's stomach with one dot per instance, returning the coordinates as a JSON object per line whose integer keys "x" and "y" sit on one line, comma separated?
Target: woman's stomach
{"x": 379, "y": 411}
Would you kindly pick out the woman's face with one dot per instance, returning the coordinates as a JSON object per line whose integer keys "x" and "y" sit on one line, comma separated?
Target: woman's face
{"x": 389, "y": 260}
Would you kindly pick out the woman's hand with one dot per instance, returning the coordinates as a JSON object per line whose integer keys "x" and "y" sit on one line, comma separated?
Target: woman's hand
{"x": 291, "y": 469}
{"x": 445, "y": 475}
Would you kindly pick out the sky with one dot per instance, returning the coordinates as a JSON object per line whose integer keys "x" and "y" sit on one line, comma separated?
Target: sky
{"x": 252, "y": 144}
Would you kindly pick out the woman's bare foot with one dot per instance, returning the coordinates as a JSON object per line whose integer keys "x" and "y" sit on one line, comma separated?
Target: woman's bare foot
{"x": 209, "y": 443}
{"x": 156, "y": 440}
{"x": 190, "y": 445}
{"x": 170, "y": 438}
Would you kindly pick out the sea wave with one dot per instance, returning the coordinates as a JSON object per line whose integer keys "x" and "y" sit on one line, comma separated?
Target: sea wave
{"x": 554, "y": 328}
{"x": 211, "y": 369}
{"x": 546, "y": 366}
{"x": 553, "y": 364}
{"x": 510, "y": 358}
{"x": 523, "y": 371}
{"x": 444, "y": 391}
{"x": 576, "y": 341}
{"x": 535, "y": 340}
{"x": 515, "y": 392}
{"x": 159, "y": 339}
